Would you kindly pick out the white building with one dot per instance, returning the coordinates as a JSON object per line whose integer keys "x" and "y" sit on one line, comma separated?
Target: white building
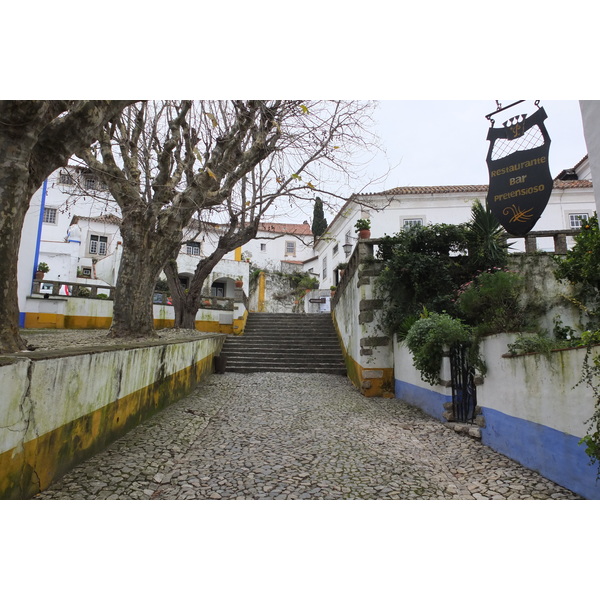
{"x": 393, "y": 210}
{"x": 73, "y": 226}
{"x": 79, "y": 236}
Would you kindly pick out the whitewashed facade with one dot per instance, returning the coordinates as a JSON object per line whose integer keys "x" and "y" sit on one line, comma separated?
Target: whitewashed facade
{"x": 393, "y": 210}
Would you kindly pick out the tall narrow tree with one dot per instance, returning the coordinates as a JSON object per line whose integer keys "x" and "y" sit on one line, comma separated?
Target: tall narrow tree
{"x": 319, "y": 224}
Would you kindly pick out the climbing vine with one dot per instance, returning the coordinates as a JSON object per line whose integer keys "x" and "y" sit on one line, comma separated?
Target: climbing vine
{"x": 581, "y": 267}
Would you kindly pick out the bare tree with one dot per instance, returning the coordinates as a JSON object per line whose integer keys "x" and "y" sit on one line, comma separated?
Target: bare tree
{"x": 36, "y": 138}
{"x": 315, "y": 138}
{"x": 164, "y": 162}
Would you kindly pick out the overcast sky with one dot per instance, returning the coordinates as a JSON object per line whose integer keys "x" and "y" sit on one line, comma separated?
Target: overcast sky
{"x": 437, "y": 142}
{"x": 443, "y": 142}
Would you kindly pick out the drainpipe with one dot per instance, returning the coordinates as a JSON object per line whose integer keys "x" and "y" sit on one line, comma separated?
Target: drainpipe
{"x": 39, "y": 232}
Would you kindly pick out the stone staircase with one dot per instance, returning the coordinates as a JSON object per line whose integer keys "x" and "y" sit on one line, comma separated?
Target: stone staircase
{"x": 288, "y": 343}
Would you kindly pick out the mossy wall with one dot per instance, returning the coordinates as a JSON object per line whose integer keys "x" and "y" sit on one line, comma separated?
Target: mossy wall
{"x": 59, "y": 408}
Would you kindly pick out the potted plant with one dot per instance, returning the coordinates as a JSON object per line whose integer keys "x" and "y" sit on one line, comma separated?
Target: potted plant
{"x": 41, "y": 269}
{"x": 239, "y": 282}
{"x": 333, "y": 288}
{"x": 363, "y": 228}
{"x": 341, "y": 268}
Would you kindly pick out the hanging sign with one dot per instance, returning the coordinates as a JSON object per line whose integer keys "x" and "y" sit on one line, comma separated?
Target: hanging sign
{"x": 520, "y": 180}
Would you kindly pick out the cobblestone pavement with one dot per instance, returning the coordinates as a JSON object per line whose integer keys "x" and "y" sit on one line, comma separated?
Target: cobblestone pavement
{"x": 297, "y": 436}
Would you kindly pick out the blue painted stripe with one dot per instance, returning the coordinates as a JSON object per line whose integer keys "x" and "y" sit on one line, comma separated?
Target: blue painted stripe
{"x": 22, "y": 320}
{"x": 552, "y": 453}
{"x": 427, "y": 400}
{"x": 39, "y": 231}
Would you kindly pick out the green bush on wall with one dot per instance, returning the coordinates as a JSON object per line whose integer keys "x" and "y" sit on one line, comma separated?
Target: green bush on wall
{"x": 429, "y": 337}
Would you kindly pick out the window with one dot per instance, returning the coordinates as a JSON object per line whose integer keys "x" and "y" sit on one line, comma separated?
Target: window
{"x": 65, "y": 178}
{"x": 86, "y": 272}
{"x": 576, "y": 220}
{"x": 90, "y": 182}
{"x": 193, "y": 248}
{"x": 335, "y": 249}
{"x": 325, "y": 268}
{"x": 290, "y": 248}
{"x": 408, "y": 223}
{"x": 263, "y": 247}
{"x": 98, "y": 244}
{"x": 50, "y": 215}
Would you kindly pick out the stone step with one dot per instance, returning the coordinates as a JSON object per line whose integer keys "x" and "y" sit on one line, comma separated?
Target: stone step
{"x": 285, "y": 343}
{"x": 286, "y": 369}
{"x": 282, "y": 361}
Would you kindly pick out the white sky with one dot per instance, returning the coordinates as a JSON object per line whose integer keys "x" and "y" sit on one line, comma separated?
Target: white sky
{"x": 443, "y": 142}
{"x": 437, "y": 142}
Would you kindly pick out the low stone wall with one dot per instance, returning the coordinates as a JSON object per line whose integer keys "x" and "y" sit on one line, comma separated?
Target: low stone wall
{"x": 91, "y": 313}
{"x": 356, "y": 313}
{"x": 60, "y": 407}
{"x": 532, "y": 410}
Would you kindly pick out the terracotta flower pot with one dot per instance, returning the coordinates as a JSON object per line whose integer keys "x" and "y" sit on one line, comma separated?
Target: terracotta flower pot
{"x": 364, "y": 234}
{"x": 239, "y": 284}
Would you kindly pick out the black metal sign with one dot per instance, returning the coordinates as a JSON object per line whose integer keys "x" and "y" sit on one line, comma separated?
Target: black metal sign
{"x": 520, "y": 180}
{"x": 317, "y": 300}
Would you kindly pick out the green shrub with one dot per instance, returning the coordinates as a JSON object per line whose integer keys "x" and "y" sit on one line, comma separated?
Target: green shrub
{"x": 540, "y": 344}
{"x": 491, "y": 302}
{"x": 428, "y": 338}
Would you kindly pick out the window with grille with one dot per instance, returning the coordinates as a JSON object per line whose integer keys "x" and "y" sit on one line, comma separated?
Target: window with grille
{"x": 50, "y": 215}
{"x": 263, "y": 247}
{"x": 193, "y": 248}
{"x": 325, "y": 268}
{"x": 90, "y": 183}
{"x": 576, "y": 220}
{"x": 408, "y": 223}
{"x": 66, "y": 178}
{"x": 290, "y": 248}
{"x": 98, "y": 244}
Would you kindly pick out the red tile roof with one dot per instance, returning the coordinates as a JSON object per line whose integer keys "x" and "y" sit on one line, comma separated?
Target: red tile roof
{"x": 282, "y": 228}
{"x": 463, "y": 189}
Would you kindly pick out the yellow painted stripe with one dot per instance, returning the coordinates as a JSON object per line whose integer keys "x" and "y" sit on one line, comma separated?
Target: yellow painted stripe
{"x": 32, "y": 468}
{"x": 379, "y": 386}
{"x": 53, "y": 321}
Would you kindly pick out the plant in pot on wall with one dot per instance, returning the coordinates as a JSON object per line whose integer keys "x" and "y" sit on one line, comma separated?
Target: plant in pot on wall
{"x": 341, "y": 268}
{"x": 41, "y": 269}
{"x": 363, "y": 228}
{"x": 239, "y": 282}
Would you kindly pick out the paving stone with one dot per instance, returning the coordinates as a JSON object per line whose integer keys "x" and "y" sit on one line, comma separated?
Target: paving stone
{"x": 297, "y": 436}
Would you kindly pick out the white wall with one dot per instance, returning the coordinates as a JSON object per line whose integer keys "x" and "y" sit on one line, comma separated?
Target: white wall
{"x": 590, "y": 115}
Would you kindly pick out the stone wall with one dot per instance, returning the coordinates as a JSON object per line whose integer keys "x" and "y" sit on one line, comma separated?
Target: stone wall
{"x": 356, "y": 314}
{"x": 531, "y": 409}
{"x": 60, "y": 407}
{"x": 218, "y": 315}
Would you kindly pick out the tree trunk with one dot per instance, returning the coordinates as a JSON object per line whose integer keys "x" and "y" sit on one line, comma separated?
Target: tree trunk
{"x": 139, "y": 269}
{"x": 185, "y": 318}
{"x": 14, "y": 202}
{"x": 36, "y": 137}
{"x": 188, "y": 303}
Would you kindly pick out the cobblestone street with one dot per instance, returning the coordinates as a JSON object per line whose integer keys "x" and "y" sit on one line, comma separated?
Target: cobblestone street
{"x": 297, "y": 436}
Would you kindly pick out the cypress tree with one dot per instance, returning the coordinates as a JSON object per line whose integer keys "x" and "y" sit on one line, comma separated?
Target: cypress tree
{"x": 319, "y": 224}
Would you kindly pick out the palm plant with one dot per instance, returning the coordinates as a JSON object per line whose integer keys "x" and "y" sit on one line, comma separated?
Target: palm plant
{"x": 486, "y": 242}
